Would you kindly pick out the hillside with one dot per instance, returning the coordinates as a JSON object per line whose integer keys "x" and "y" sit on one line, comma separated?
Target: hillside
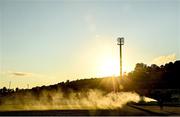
{"x": 152, "y": 81}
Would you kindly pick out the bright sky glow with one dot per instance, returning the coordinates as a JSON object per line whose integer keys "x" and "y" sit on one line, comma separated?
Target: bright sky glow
{"x": 46, "y": 42}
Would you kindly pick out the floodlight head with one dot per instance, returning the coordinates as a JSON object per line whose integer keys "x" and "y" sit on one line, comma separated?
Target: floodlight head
{"x": 120, "y": 40}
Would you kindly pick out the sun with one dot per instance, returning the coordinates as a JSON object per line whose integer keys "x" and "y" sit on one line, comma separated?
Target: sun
{"x": 109, "y": 66}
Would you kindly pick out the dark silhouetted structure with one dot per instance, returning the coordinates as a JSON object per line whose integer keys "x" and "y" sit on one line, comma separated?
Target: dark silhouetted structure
{"x": 120, "y": 43}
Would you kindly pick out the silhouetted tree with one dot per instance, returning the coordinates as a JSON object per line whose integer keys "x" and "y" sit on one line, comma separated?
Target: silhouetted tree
{"x": 4, "y": 90}
{"x": 17, "y": 89}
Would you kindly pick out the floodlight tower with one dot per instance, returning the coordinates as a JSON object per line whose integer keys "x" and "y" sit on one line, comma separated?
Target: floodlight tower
{"x": 9, "y": 85}
{"x": 120, "y": 41}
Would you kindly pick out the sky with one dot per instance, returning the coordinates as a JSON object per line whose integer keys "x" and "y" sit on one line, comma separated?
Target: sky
{"x": 44, "y": 42}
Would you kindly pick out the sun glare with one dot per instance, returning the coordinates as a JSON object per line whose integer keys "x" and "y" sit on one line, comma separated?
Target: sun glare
{"x": 108, "y": 67}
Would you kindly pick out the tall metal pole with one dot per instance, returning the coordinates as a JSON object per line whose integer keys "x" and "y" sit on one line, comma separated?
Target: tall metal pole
{"x": 120, "y": 46}
{"x": 120, "y": 43}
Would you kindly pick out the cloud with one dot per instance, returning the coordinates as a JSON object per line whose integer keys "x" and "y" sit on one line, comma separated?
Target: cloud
{"x": 21, "y": 74}
{"x": 164, "y": 59}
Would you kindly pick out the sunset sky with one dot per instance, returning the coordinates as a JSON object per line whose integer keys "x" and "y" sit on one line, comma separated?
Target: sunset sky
{"x": 44, "y": 42}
